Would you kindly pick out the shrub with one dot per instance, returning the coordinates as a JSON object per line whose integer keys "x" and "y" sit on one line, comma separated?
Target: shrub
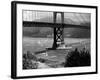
{"x": 42, "y": 60}
{"x": 78, "y": 58}
{"x": 29, "y": 64}
{"x": 29, "y": 61}
{"x": 30, "y": 56}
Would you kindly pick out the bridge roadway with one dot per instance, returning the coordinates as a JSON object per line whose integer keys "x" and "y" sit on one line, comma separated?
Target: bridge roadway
{"x": 52, "y": 25}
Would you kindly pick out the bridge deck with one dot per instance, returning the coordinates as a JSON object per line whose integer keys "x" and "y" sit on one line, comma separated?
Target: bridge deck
{"x": 52, "y": 25}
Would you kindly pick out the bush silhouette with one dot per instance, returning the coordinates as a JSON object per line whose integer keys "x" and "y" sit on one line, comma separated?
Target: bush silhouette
{"x": 42, "y": 60}
{"x": 29, "y": 61}
{"x": 78, "y": 58}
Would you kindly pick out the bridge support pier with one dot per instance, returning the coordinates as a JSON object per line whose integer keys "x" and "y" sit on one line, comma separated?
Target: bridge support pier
{"x": 58, "y": 32}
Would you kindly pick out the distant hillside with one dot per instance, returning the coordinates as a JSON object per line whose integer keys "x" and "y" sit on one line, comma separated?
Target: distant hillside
{"x": 48, "y": 32}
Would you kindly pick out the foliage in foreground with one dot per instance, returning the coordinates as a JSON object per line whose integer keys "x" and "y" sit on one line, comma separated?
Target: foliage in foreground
{"x": 78, "y": 58}
{"x": 29, "y": 61}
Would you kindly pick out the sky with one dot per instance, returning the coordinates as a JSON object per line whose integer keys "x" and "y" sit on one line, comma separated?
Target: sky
{"x": 43, "y": 16}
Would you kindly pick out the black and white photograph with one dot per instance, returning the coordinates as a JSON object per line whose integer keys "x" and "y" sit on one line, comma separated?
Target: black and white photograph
{"x": 67, "y": 43}
{"x": 53, "y": 39}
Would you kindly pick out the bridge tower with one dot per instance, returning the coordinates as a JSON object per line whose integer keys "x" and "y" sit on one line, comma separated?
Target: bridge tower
{"x": 58, "y": 31}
